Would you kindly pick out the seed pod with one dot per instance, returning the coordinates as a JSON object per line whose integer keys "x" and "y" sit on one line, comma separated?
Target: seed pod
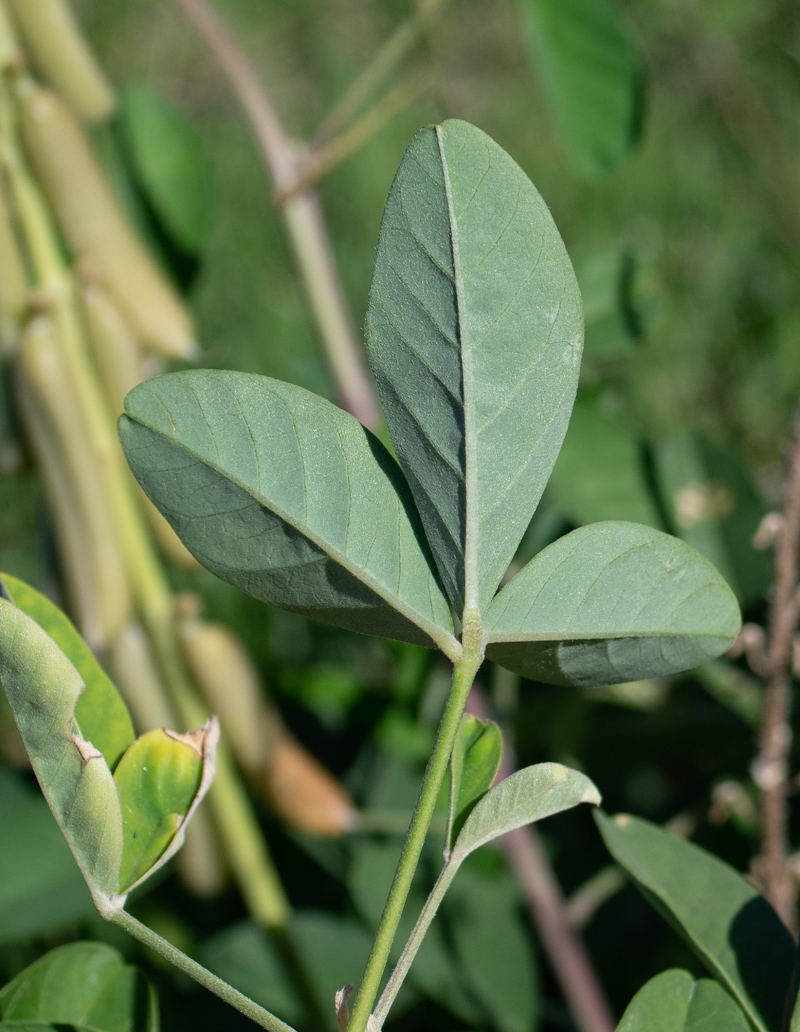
{"x": 94, "y": 226}
{"x": 10, "y": 54}
{"x": 230, "y": 683}
{"x": 113, "y": 344}
{"x": 63, "y": 57}
{"x": 13, "y": 285}
{"x": 304, "y": 794}
{"x": 72, "y": 534}
{"x": 69, "y": 445}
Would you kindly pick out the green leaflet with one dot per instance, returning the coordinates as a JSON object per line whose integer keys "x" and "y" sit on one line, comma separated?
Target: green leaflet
{"x": 612, "y": 602}
{"x": 528, "y": 795}
{"x": 590, "y": 77}
{"x": 728, "y": 924}
{"x": 674, "y": 1002}
{"x": 86, "y": 983}
{"x": 101, "y": 714}
{"x": 281, "y": 493}
{"x": 474, "y": 763}
{"x": 43, "y": 687}
{"x": 599, "y": 474}
{"x": 161, "y": 779}
{"x": 475, "y": 332}
{"x": 171, "y": 166}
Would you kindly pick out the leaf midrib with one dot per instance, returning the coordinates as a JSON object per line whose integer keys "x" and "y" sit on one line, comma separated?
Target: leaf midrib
{"x": 516, "y": 636}
{"x": 471, "y": 595}
{"x": 443, "y": 638}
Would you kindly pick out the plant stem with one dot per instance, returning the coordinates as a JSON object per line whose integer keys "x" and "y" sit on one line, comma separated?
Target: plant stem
{"x": 388, "y": 58}
{"x": 197, "y": 972}
{"x": 565, "y": 951}
{"x": 305, "y": 223}
{"x": 463, "y": 676}
{"x": 332, "y": 153}
{"x": 771, "y": 766}
{"x": 411, "y": 948}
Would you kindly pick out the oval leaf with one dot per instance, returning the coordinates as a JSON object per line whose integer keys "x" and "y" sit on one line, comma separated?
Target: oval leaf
{"x": 288, "y": 497}
{"x": 609, "y": 603}
{"x": 526, "y": 796}
{"x": 43, "y": 688}
{"x": 161, "y": 779}
{"x": 590, "y": 77}
{"x": 728, "y": 924}
{"x": 474, "y": 763}
{"x": 171, "y": 166}
{"x": 101, "y": 715}
{"x": 674, "y": 1002}
{"x": 475, "y": 333}
{"x": 86, "y": 983}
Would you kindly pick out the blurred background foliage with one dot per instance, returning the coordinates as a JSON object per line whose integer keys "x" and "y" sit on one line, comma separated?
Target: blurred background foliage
{"x": 666, "y": 144}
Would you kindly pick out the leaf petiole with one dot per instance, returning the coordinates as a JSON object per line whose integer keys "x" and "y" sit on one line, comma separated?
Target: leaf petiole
{"x": 464, "y": 673}
{"x": 197, "y": 972}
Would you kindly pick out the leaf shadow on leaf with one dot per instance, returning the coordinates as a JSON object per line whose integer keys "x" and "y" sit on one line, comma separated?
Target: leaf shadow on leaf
{"x": 395, "y": 475}
{"x": 756, "y": 965}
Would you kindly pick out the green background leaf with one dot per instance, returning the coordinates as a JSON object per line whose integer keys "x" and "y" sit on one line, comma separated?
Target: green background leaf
{"x": 612, "y": 602}
{"x": 475, "y": 331}
{"x": 590, "y": 77}
{"x": 288, "y": 497}
{"x": 599, "y": 473}
{"x": 101, "y": 714}
{"x": 86, "y": 983}
{"x": 727, "y": 923}
{"x": 171, "y": 165}
{"x": 674, "y": 1002}
{"x": 41, "y": 889}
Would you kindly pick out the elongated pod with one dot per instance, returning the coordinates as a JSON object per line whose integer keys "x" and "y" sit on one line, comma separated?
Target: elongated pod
{"x": 230, "y": 683}
{"x": 94, "y": 225}
{"x": 304, "y": 794}
{"x": 80, "y": 498}
{"x": 62, "y": 56}
{"x": 13, "y": 285}
{"x": 71, "y": 532}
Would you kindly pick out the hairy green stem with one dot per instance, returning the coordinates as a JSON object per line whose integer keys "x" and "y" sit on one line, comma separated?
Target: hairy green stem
{"x": 197, "y": 972}
{"x": 403, "y": 965}
{"x": 463, "y": 675}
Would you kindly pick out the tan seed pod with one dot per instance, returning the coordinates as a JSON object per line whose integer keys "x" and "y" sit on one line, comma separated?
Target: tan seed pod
{"x": 13, "y": 285}
{"x": 306, "y": 795}
{"x": 94, "y": 226}
{"x": 136, "y": 675}
{"x": 62, "y": 56}
{"x": 113, "y": 345}
{"x": 80, "y": 497}
{"x": 230, "y": 684}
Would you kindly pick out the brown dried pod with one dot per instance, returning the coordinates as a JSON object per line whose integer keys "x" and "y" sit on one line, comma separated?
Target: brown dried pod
{"x": 94, "y": 225}
{"x": 306, "y": 795}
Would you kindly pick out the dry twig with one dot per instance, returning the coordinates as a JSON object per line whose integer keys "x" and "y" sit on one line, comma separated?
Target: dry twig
{"x": 305, "y": 225}
{"x": 771, "y": 767}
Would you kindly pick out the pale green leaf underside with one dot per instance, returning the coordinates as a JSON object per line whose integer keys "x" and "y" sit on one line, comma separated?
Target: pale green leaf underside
{"x": 728, "y": 924}
{"x": 43, "y": 687}
{"x": 101, "y": 714}
{"x": 674, "y": 1002}
{"x": 475, "y": 332}
{"x": 609, "y": 603}
{"x": 590, "y": 77}
{"x": 528, "y": 795}
{"x": 289, "y": 498}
